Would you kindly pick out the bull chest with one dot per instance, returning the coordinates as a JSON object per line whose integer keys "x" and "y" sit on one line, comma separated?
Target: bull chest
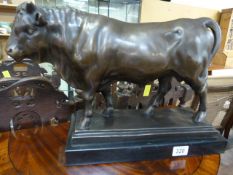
{"x": 71, "y": 74}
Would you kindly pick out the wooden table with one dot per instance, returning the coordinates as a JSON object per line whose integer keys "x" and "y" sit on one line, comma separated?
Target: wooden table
{"x": 41, "y": 152}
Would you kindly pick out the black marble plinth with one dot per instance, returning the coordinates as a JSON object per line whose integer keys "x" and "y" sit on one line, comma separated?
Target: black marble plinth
{"x": 130, "y": 136}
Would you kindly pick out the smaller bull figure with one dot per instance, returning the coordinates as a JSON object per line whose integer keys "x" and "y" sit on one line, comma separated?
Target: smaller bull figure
{"x": 92, "y": 51}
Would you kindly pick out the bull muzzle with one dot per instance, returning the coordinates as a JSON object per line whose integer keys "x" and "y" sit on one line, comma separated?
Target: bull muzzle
{"x": 14, "y": 52}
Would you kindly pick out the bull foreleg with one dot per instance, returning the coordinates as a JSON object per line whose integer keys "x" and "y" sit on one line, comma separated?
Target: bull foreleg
{"x": 88, "y": 97}
{"x": 92, "y": 84}
{"x": 108, "y": 99}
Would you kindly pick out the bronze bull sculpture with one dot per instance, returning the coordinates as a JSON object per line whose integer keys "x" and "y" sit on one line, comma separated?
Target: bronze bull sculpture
{"x": 91, "y": 51}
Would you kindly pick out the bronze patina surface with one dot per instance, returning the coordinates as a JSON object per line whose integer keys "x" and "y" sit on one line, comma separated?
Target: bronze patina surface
{"x": 92, "y": 51}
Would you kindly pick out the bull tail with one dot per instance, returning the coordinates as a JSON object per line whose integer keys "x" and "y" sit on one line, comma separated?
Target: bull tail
{"x": 215, "y": 28}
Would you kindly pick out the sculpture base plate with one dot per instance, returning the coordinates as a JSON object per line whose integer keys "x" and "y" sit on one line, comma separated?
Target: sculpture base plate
{"x": 130, "y": 136}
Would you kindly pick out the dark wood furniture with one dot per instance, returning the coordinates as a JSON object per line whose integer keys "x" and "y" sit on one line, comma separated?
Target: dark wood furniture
{"x": 227, "y": 122}
{"x": 42, "y": 153}
{"x": 225, "y": 96}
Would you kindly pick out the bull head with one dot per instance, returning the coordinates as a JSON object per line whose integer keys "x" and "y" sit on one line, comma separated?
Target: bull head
{"x": 28, "y": 33}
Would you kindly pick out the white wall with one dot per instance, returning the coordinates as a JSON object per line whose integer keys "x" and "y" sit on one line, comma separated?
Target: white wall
{"x": 212, "y": 4}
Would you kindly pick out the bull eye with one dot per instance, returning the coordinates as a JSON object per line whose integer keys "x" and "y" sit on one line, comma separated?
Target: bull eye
{"x": 30, "y": 31}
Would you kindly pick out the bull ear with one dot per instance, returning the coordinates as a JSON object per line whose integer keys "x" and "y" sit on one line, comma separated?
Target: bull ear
{"x": 40, "y": 21}
{"x": 30, "y": 7}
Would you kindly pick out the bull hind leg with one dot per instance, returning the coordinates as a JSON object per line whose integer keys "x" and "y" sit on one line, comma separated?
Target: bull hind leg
{"x": 200, "y": 88}
{"x": 164, "y": 87}
{"x": 201, "y": 112}
{"x": 106, "y": 92}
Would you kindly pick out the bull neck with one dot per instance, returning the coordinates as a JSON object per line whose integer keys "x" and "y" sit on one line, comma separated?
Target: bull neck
{"x": 64, "y": 26}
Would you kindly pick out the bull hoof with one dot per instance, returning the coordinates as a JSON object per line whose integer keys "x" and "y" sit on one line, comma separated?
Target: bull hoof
{"x": 108, "y": 112}
{"x": 199, "y": 116}
{"x": 181, "y": 105}
{"x": 85, "y": 123}
{"x": 150, "y": 111}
